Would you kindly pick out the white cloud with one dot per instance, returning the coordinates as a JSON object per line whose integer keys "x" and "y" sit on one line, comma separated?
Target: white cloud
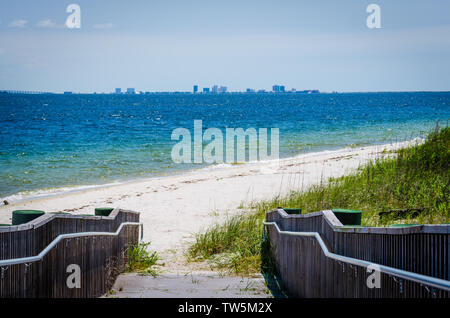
{"x": 18, "y": 23}
{"x": 46, "y": 24}
{"x": 103, "y": 26}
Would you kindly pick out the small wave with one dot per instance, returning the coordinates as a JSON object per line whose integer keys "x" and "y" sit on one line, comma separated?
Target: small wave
{"x": 43, "y": 193}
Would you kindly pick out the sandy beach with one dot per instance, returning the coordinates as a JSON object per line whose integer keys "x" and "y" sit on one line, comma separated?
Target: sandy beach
{"x": 174, "y": 208}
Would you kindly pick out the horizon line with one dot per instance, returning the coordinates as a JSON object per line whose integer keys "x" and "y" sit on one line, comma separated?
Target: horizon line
{"x": 255, "y": 92}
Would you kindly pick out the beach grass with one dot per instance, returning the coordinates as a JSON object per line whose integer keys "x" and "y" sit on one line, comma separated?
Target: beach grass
{"x": 233, "y": 245}
{"x": 413, "y": 179}
{"x": 141, "y": 260}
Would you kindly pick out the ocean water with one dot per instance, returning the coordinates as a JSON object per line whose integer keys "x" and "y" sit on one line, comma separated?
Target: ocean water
{"x": 53, "y": 143}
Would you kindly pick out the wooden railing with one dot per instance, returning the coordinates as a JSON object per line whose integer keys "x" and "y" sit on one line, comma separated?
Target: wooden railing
{"x": 38, "y": 258}
{"x": 318, "y": 257}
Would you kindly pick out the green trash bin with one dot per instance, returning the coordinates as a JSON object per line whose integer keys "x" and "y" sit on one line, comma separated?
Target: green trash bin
{"x": 348, "y": 217}
{"x": 5, "y": 224}
{"x": 25, "y": 216}
{"x": 292, "y": 211}
{"x": 103, "y": 211}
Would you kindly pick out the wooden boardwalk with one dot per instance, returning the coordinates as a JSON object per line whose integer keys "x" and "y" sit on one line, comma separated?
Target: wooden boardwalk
{"x": 318, "y": 257}
{"x": 192, "y": 285}
{"x": 37, "y": 259}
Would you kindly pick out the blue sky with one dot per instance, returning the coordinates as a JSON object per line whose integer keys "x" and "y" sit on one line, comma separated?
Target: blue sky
{"x": 171, "y": 45}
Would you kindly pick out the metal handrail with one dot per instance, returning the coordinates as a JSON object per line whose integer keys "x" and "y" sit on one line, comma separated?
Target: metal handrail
{"x": 418, "y": 278}
{"x": 40, "y": 256}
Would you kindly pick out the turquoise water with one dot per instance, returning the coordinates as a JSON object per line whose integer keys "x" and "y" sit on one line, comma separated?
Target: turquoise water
{"x": 64, "y": 141}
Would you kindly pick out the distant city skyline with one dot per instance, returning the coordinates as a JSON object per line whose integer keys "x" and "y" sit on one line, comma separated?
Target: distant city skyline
{"x": 168, "y": 45}
{"x": 214, "y": 89}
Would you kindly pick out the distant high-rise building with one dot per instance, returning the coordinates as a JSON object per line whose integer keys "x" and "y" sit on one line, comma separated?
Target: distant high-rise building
{"x": 131, "y": 91}
{"x": 222, "y": 89}
{"x": 195, "y": 89}
{"x": 278, "y": 88}
{"x": 118, "y": 91}
{"x": 206, "y": 90}
{"x": 214, "y": 89}
{"x": 249, "y": 90}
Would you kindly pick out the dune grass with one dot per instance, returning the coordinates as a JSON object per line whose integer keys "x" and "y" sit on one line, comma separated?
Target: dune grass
{"x": 233, "y": 245}
{"x": 141, "y": 260}
{"x": 415, "y": 177}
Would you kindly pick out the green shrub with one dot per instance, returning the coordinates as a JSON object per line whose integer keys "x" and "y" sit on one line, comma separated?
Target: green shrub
{"x": 140, "y": 259}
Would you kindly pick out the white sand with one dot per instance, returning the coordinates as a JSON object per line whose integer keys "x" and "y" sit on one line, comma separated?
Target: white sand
{"x": 174, "y": 208}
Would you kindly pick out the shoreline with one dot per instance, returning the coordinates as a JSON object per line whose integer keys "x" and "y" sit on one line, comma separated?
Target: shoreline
{"x": 174, "y": 208}
{"x": 46, "y": 193}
